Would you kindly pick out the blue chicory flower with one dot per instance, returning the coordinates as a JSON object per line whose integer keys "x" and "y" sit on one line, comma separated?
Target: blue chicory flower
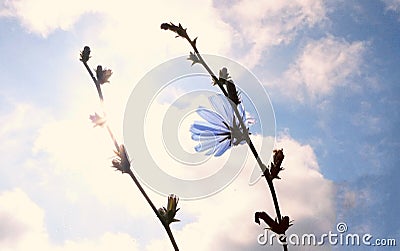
{"x": 221, "y": 130}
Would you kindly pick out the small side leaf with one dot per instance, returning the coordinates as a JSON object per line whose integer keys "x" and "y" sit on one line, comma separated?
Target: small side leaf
{"x": 266, "y": 218}
{"x": 193, "y": 57}
{"x": 97, "y": 120}
{"x": 274, "y": 226}
{"x": 194, "y": 42}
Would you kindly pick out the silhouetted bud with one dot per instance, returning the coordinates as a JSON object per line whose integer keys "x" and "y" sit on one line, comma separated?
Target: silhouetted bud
{"x": 278, "y": 157}
{"x": 166, "y": 26}
{"x": 85, "y": 54}
{"x": 177, "y": 29}
{"x": 168, "y": 214}
{"x": 276, "y": 165}
{"x": 226, "y": 80}
{"x": 103, "y": 75}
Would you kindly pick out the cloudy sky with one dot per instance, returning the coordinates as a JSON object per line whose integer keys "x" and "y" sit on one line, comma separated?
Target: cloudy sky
{"x": 330, "y": 71}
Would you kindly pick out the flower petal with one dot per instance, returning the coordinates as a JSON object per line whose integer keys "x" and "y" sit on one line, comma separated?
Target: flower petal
{"x": 210, "y": 116}
{"x": 221, "y": 128}
{"x": 205, "y": 145}
{"x": 222, "y": 106}
{"x": 222, "y": 147}
{"x": 200, "y": 127}
{"x": 207, "y": 137}
{"x": 242, "y": 113}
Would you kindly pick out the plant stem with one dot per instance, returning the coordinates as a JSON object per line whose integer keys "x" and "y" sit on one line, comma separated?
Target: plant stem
{"x": 95, "y": 82}
{"x": 135, "y": 180}
{"x": 113, "y": 138}
{"x": 245, "y": 132}
{"x": 166, "y": 226}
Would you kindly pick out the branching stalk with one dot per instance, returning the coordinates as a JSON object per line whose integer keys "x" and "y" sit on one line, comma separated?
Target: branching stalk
{"x": 129, "y": 171}
{"x": 182, "y": 33}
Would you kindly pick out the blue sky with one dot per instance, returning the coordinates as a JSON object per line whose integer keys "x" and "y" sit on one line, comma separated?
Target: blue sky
{"x": 331, "y": 71}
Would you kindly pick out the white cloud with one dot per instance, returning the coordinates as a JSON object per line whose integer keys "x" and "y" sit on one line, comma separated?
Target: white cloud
{"x": 81, "y": 156}
{"x": 262, "y": 24}
{"x": 128, "y": 40}
{"x": 17, "y": 118}
{"x": 125, "y": 36}
{"x": 78, "y": 153}
{"x": 44, "y": 16}
{"x": 22, "y": 228}
{"x": 124, "y": 26}
{"x": 393, "y": 5}
{"x": 226, "y": 221}
{"x": 20, "y": 124}
{"x": 22, "y": 221}
{"x": 322, "y": 67}
{"x": 118, "y": 29}
{"x": 108, "y": 241}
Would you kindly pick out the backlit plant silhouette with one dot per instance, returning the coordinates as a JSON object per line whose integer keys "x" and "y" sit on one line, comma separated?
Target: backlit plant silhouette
{"x": 225, "y": 127}
{"x": 219, "y": 133}
{"x": 122, "y": 162}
